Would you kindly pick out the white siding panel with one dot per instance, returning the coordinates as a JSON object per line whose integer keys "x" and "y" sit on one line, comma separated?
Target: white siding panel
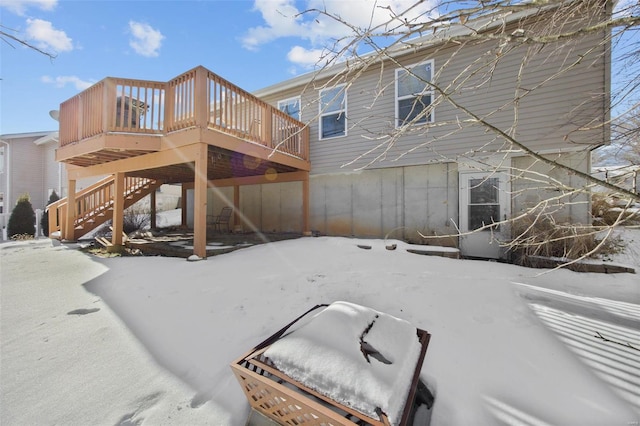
{"x": 250, "y": 205}
{"x": 367, "y": 204}
{"x": 291, "y": 207}
{"x": 392, "y": 181}
{"x": 338, "y": 208}
{"x": 270, "y": 212}
{"x": 397, "y": 203}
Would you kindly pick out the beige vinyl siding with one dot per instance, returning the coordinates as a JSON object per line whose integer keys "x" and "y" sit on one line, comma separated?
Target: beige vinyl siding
{"x": 51, "y": 171}
{"x": 530, "y": 189}
{"x": 26, "y": 172}
{"x": 548, "y": 118}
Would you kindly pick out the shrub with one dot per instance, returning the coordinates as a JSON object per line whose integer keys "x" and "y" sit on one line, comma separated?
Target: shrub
{"x": 544, "y": 237}
{"x": 607, "y": 210}
{"x": 136, "y": 218}
{"x": 23, "y": 218}
{"x": 44, "y": 221}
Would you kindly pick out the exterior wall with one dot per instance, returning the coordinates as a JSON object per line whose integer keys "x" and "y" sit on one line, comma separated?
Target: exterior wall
{"x": 397, "y": 203}
{"x": 27, "y": 177}
{"x": 553, "y": 116}
{"x": 530, "y": 189}
{"x": 53, "y": 173}
{"x": 367, "y": 184}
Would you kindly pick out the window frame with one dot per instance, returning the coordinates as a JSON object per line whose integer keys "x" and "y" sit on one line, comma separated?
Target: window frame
{"x": 323, "y": 113}
{"x": 287, "y": 101}
{"x": 427, "y": 91}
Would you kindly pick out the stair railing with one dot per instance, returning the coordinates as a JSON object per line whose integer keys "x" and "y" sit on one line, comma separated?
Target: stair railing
{"x": 93, "y": 202}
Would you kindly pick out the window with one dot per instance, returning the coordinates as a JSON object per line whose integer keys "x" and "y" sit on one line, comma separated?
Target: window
{"x": 333, "y": 110}
{"x": 413, "y": 94}
{"x": 484, "y": 204}
{"x": 1, "y": 159}
{"x": 290, "y": 107}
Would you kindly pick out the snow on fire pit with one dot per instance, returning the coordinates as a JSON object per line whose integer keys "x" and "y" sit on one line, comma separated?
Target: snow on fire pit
{"x": 354, "y": 355}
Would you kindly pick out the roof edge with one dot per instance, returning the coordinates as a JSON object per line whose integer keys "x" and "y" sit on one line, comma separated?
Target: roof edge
{"x": 483, "y": 23}
{"x": 27, "y": 135}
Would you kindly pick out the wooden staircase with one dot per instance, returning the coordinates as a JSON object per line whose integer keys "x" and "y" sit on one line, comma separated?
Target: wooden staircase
{"x": 94, "y": 204}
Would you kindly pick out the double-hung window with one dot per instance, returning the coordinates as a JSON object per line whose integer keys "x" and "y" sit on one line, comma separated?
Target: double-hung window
{"x": 414, "y": 94}
{"x": 290, "y": 107}
{"x": 333, "y": 110}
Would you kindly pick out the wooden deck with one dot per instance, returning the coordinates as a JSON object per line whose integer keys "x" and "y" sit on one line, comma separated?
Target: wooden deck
{"x": 124, "y": 119}
{"x": 197, "y": 130}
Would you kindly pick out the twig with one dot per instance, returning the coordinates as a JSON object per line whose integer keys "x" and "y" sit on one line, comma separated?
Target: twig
{"x": 604, "y": 339}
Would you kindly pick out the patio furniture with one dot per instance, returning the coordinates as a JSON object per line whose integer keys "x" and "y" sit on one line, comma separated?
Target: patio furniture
{"x": 290, "y": 401}
{"x": 222, "y": 219}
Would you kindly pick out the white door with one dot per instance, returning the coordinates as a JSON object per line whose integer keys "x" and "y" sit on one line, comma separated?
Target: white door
{"x": 483, "y": 200}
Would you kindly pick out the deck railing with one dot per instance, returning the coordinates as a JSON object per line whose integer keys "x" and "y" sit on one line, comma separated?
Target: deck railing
{"x": 197, "y": 98}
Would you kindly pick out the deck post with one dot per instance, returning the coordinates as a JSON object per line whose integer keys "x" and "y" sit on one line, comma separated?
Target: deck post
{"x": 306, "y": 229}
{"x": 183, "y": 205}
{"x": 201, "y": 98}
{"x": 69, "y": 219}
{"x": 118, "y": 211}
{"x": 152, "y": 208}
{"x": 237, "y": 226}
{"x": 200, "y": 203}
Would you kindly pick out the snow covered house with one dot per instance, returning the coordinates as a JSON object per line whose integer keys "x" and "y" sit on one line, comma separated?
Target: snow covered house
{"x": 322, "y": 152}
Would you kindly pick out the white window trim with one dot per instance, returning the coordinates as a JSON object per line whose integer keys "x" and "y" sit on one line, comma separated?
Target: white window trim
{"x": 288, "y": 100}
{"x": 342, "y": 111}
{"x": 428, "y": 91}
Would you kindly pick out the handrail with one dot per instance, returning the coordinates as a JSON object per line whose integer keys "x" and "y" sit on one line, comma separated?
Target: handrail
{"x": 92, "y": 201}
{"x": 196, "y": 98}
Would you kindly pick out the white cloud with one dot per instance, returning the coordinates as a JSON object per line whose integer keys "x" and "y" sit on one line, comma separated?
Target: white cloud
{"x": 46, "y": 37}
{"x": 306, "y": 58}
{"x": 63, "y": 80}
{"x": 283, "y": 19}
{"x": 19, "y": 7}
{"x": 146, "y": 40}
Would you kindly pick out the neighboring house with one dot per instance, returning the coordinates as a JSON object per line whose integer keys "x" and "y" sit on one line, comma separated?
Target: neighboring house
{"x": 312, "y": 158}
{"x": 28, "y": 166}
{"x": 625, "y": 176}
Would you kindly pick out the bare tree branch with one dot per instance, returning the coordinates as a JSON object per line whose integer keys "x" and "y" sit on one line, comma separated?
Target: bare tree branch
{"x": 8, "y": 38}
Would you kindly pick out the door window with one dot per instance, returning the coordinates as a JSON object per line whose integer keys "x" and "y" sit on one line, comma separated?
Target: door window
{"x": 484, "y": 203}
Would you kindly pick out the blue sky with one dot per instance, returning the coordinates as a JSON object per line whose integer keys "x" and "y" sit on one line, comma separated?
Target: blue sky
{"x": 251, "y": 43}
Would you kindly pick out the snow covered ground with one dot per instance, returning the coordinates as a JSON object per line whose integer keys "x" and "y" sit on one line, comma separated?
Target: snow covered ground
{"x": 148, "y": 340}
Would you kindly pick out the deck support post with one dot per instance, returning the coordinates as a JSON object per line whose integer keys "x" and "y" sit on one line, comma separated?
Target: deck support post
{"x": 69, "y": 219}
{"x": 237, "y": 226}
{"x": 306, "y": 228}
{"x": 183, "y": 205}
{"x": 200, "y": 203}
{"x": 152, "y": 208}
{"x": 118, "y": 211}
